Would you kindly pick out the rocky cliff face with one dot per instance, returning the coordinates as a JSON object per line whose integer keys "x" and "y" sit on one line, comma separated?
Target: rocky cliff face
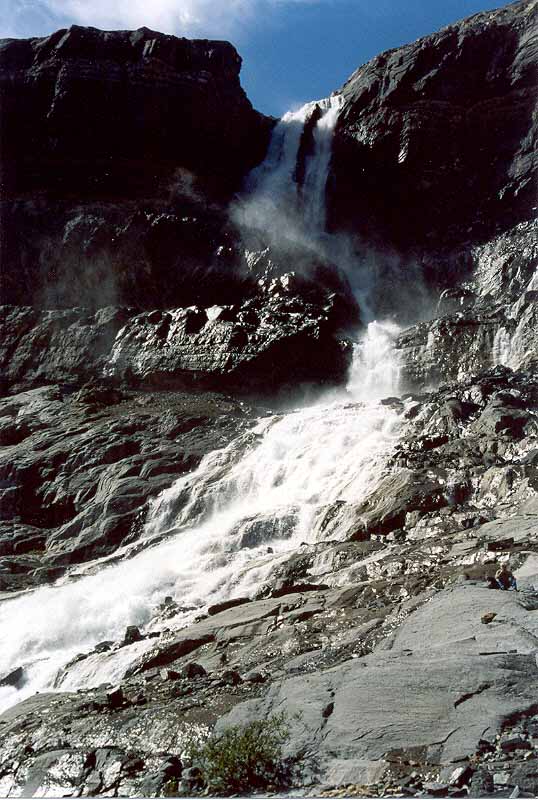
{"x": 488, "y": 320}
{"x": 271, "y": 341}
{"x": 93, "y": 120}
{"x": 92, "y": 111}
{"x": 436, "y": 142}
{"x": 435, "y": 161}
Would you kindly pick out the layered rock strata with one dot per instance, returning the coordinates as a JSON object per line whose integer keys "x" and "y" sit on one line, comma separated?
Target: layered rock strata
{"x": 119, "y": 150}
{"x": 95, "y": 110}
{"x": 288, "y": 335}
{"x": 436, "y": 141}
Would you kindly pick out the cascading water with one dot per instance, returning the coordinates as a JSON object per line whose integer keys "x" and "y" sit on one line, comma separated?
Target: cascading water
{"x": 267, "y": 487}
{"x": 375, "y": 372}
{"x": 276, "y": 204}
{"x": 502, "y": 348}
{"x": 207, "y": 536}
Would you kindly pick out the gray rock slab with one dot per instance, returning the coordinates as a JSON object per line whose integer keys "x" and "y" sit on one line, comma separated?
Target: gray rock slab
{"x": 436, "y": 689}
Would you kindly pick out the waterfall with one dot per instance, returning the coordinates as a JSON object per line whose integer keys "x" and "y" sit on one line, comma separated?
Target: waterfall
{"x": 317, "y": 168}
{"x": 221, "y": 531}
{"x": 502, "y": 348}
{"x": 266, "y": 488}
{"x": 375, "y": 371}
{"x": 276, "y": 204}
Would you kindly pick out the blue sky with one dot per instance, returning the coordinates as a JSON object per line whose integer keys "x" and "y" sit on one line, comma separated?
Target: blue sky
{"x": 293, "y": 50}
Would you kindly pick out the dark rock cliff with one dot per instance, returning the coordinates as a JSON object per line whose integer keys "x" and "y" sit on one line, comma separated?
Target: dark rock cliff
{"x": 436, "y": 142}
{"x": 85, "y": 109}
{"x": 119, "y": 150}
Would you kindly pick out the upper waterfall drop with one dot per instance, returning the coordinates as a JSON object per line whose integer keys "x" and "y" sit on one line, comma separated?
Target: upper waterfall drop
{"x": 276, "y": 201}
{"x": 317, "y": 169}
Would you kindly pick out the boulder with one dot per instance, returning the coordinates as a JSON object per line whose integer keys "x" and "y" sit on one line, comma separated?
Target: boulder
{"x": 167, "y": 652}
{"x": 169, "y": 770}
{"x": 396, "y": 496}
{"x": 115, "y": 697}
{"x": 193, "y": 670}
{"x": 231, "y": 677}
{"x": 14, "y": 678}
{"x": 132, "y": 634}
{"x": 226, "y": 604}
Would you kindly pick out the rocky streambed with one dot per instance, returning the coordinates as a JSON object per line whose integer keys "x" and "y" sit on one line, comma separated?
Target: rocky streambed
{"x": 375, "y": 636}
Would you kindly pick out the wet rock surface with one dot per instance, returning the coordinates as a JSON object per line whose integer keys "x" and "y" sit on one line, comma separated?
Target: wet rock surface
{"x": 82, "y": 467}
{"x": 490, "y": 319}
{"x": 378, "y": 641}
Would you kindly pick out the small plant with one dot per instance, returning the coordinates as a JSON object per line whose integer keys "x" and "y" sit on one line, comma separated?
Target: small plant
{"x": 245, "y": 758}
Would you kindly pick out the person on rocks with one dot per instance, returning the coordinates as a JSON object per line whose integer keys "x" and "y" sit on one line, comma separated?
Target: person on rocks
{"x": 505, "y": 579}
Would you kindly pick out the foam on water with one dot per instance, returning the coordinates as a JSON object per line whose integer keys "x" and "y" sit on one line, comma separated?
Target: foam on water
{"x": 265, "y": 488}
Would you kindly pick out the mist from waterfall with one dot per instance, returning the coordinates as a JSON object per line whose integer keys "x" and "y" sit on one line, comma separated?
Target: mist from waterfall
{"x": 221, "y": 531}
{"x": 288, "y": 214}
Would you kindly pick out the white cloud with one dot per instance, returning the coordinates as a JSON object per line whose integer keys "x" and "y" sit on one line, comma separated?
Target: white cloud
{"x": 206, "y": 18}
{"x": 187, "y": 17}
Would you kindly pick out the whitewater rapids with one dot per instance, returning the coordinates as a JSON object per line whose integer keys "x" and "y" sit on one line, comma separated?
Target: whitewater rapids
{"x": 264, "y": 490}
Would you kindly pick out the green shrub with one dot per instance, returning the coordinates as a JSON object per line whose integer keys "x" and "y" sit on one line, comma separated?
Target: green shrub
{"x": 243, "y": 759}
